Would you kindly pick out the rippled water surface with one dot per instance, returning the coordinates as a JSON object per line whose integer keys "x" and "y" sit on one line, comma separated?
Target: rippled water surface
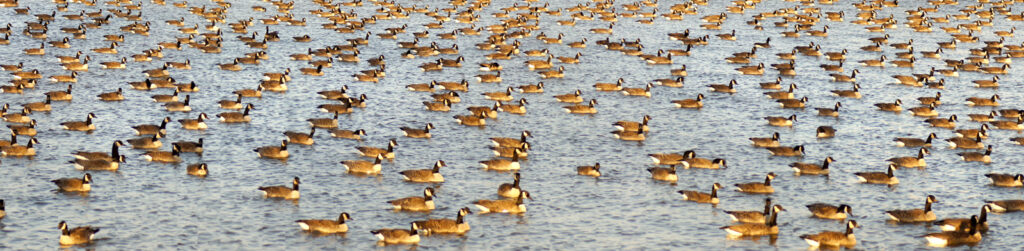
{"x": 157, "y": 206}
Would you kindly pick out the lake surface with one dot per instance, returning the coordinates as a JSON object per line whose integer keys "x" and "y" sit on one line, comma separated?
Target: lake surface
{"x": 157, "y": 206}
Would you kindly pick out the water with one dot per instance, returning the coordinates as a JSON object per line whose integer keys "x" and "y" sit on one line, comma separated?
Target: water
{"x": 157, "y": 206}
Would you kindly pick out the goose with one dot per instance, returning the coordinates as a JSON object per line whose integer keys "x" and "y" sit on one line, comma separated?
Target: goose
{"x": 13, "y": 89}
{"x": 853, "y": 93}
{"x": 752, "y": 216}
{"x": 150, "y": 142}
{"x": 432, "y": 175}
{"x": 635, "y": 135}
{"x": 1003, "y": 206}
{"x": 387, "y": 236}
{"x": 282, "y": 191}
{"x": 115, "y": 64}
{"x": 914, "y": 215}
{"x": 26, "y": 150}
{"x": 273, "y": 152}
{"x": 20, "y": 118}
{"x": 76, "y": 236}
{"x": 910, "y": 161}
{"x": 699, "y": 197}
{"x": 534, "y": 88}
{"x": 771, "y": 227}
{"x": 952, "y": 224}
{"x": 690, "y": 160}
{"x": 148, "y": 129}
{"x": 915, "y": 142}
{"x": 783, "y": 95}
{"x": 510, "y": 190}
{"x": 966, "y": 143}
{"x": 1009, "y": 125}
{"x": 416, "y": 203}
{"x": 324, "y": 122}
{"x": 3, "y": 212}
{"x": 879, "y": 177}
{"x": 786, "y": 151}
{"x": 967, "y": 237}
{"x": 727, "y": 88}
{"x": 812, "y": 169}
{"x": 632, "y": 125}
{"x": 828, "y": 211}
{"x": 503, "y": 164}
{"x": 200, "y": 170}
{"x": 976, "y": 101}
{"x": 670, "y": 82}
{"x": 86, "y": 125}
{"x": 388, "y": 153}
{"x": 454, "y": 86}
{"x": 326, "y": 226}
{"x": 781, "y": 121}
{"x": 194, "y": 124}
{"x": 163, "y": 157}
{"x": 594, "y": 171}
{"x": 300, "y": 138}
{"x": 645, "y": 92}
{"x": 513, "y": 108}
{"x": 983, "y": 117}
{"x": 13, "y": 141}
{"x": 236, "y": 117}
{"x": 446, "y": 226}
{"x": 112, "y": 96}
{"x": 231, "y": 104}
{"x": 511, "y": 142}
{"x": 39, "y": 106}
{"x": 27, "y": 130}
{"x": 664, "y": 173}
{"x": 844, "y": 78}
{"x": 825, "y": 132}
{"x": 890, "y": 107}
{"x": 510, "y": 206}
{"x": 348, "y": 134}
{"x": 1006, "y": 180}
{"x": 757, "y": 187}
{"x": 250, "y": 93}
{"x": 574, "y": 97}
{"x": 830, "y": 112}
{"x": 99, "y": 164}
{"x": 977, "y": 157}
{"x": 752, "y": 70}
{"x": 364, "y": 167}
{"x": 695, "y": 103}
{"x": 470, "y": 120}
{"x": 179, "y": 106}
{"x": 772, "y": 141}
{"x": 74, "y": 184}
{"x": 833, "y": 239}
{"x": 507, "y": 152}
{"x": 190, "y": 146}
{"x": 582, "y": 109}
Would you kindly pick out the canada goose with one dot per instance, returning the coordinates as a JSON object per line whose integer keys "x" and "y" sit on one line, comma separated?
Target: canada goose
{"x": 910, "y": 161}
{"x": 1003, "y": 206}
{"x": 827, "y": 211}
{"x": 200, "y": 170}
{"x": 179, "y": 106}
{"x": 86, "y": 125}
{"x": 115, "y": 64}
{"x": 970, "y": 235}
{"x": 1009, "y": 125}
{"x": 432, "y": 175}
{"x": 326, "y": 226}
{"x": 26, "y": 150}
{"x": 75, "y": 236}
{"x": 513, "y": 108}
{"x": 879, "y": 177}
{"x": 511, "y": 206}
{"x": 664, "y": 173}
{"x": 301, "y": 138}
{"x": 771, "y": 227}
{"x": 976, "y": 101}
{"x": 699, "y": 197}
{"x": 388, "y": 153}
{"x": 20, "y": 118}
{"x": 282, "y": 191}
{"x": 843, "y": 78}
{"x": 148, "y": 142}
{"x": 273, "y": 152}
{"x": 503, "y": 164}
{"x": 915, "y": 142}
{"x": 594, "y": 171}
{"x": 781, "y": 121}
{"x": 454, "y": 86}
{"x": 416, "y": 203}
{"x": 645, "y": 92}
{"x": 39, "y": 106}
{"x": 967, "y": 142}
{"x": 348, "y": 134}
{"x": 728, "y": 88}
{"x": 364, "y": 167}
{"x": 952, "y": 224}
{"x": 914, "y": 215}
{"x": 752, "y": 216}
{"x": 833, "y": 239}
{"x": 27, "y": 130}
{"x": 632, "y": 125}
{"x": 983, "y": 117}
{"x": 189, "y": 146}
{"x": 757, "y": 187}
{"x": 510, "y": 190}
{"x": 148, "y": 129}
{"x": 574, "y": 97}
{"x": 786, "y": 151}
{"x": 237, "y": 117}
{"x": 249, "y": 93}
{"x": 977, "y": 157}
{"x": 389, "y": 236}
{"x": 112, "y": 96}
{"x": 534, "y": 88}
{"x": 830, "y": 112}
{"x": 812, "y": 169}
{"x": 471, "y": 120}
{"x": 582, "y": 109}
{"x": 74, "y": 184}
{"x": 854, "y": 93}
{"x": 194, "y": 124}
{"x": 511, "y": 142}
{"x": 164, "y": 157}
{"x": 446, "y": 226}
{"x": 783, "y": 95}
{"x": 752, "y": 70}
{"x": 1006, "y": 180}
{"x": 825, "y": 132}
{"x": 890, "y": 107}
{"x": 696, "y": 103}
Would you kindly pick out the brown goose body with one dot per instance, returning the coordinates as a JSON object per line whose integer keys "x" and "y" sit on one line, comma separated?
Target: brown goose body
{"x": 914, "y": 215}
{"x": 74, "y": 184}
{"x": 752, "y": 216}
{"x": 833, "y": 239}
{"x": 758, "y": 187}
{"x": 771, "y": 227}
{"x": 699, "y": 197}
{"x": 828, "y": 211}
{"x": 415, "y": 203}
{"x": 432, "y": 175}
{"x": 283, "y": 192}
{"x": 324, "y": 225}
{"x": 446, "y": 226}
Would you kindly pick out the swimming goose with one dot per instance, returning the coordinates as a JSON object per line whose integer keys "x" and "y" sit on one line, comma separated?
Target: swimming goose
{"x": 914, "y": 215}
{"x": 75, "y": 236}
{"x": 200, "y": 170}
{"x": 854, "y": 93}
{"x": 163, "y": 157}
{"x": 786, "y": 151}
{"x": 879, "y": 177}
{"x": 983, "y": 117}
{"x": 771, "y": 227}
{"x": 300, "y": 138}
{"x": 27, "y": 130}
{"x": 890, "y": 107}
{"x": 432, "y": 175}
{"x": 470, "y": 120}
{"x": 910, "y": 161}
{"x": 970, "y": 235}
{"x": 190, "y": 146}
{"x": 503, "y": 164}
{"x": 388, "y": 153}
{"x": 1003, "y": 206}
{"x": 690, "y": 160}
{"x": 511, "y": 206}
{"x": 812, "y": 169}
{"x": 664, "y": 173}
{"x": 833, "y": 239}
{"x": 416, "y": 203}
{"x": 1017, "y": 125}
{"x": 324, "y": 122}
{"x": 149, "y": 142}
{"x": 179, "y": 106}
{"x": 829, "y": 112}
{"x": 594, "y": 171}
{"x": 26, "y": 150}
{"x": 915, "y": 142}
{"x": 237, "y": 117}
{"x": 112, "y": 96}
{"x": 20, "y": 118}
{"x": 148, "y": 129}
{"x": 74, "y": 184}
{"x": 273, "y": 152}
{"x": 534, "y": 88}
{"x": 1006, "y": 180}
{"x": 646, "y": 92}
{"x": 782, "y": 95}
{"x": 511, "y": 142}
{"x": 418, "y": 133}
{"x": 364, "y": 167}
{"x": 519, "y": 108}
{"x": 250, "y": 93}
{"x": 326, "y": 226}
{"x": 967, "y": 143}
{"x": 164, "y": 98}
{"x": 446, "y": 226}
{"x": 781, "y": 121}
{"x": 977, "y": 157}
{"x": 977, "y": 101}
{"x": 699, "y": 197}
{"x": 728, "y": 88}
{"x": 282, "y": 191}
{"x": 582, "y": 109}
{"x": 389, "y": 236}
{"x": 86, "y": 125}
{"x": 194, "y": 124}
{"x": 825, "y": 132}
{"x": 13, "y": 141}
{"x": 632, "y": 125}
{"x": 574, "y": 97}
{"x": 772, "y": 141}
{"x": 510, "y": 190}
{"x": 696, "y": 103}
{"x": 844, "y": 78}
{"x": 952, "y": 224}
{"x": 752, "y": 216}
{"x": 231, "y": 104}
{"x": 39, "y": 106}
{"x": 752, "y": 70}
{"x": 758, "y": 187}
{"x": 111, "y": 164}
{"x": 348, "y": 134}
